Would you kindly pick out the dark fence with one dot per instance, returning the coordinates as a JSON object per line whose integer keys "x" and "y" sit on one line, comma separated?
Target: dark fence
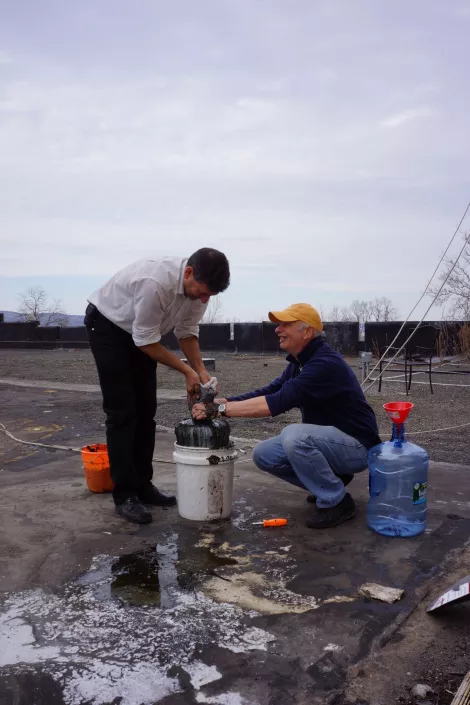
{"x": 380, "y": 335}
{"x": 48, "y": 334}
{"x": 449, "y": 342}
{"x": 248, "y": 337}
{"x": 252, "y": 338}
{"x": 452, "y": 339}
{"x": 343, "y": 337}
{"x": 17, "y": 331}
{"x": 215, "y": 336}
{"x": 261, "y": 337}
{"x": 73, "y": 335}
{"x": 270, "y": 339}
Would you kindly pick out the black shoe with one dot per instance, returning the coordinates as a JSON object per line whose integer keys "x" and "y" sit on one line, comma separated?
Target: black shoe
{"x": 151, "y": 495}
{"x": 346, "y": 479}
{"x": 133, "y": 510}
{"x": 333, "y": 516}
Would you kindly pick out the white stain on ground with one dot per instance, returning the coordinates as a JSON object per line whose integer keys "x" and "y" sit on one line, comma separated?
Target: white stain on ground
{"x": 264, "y": 591}
{"x": 253, "y": 591}
{"x": 100, "y": 649}
{"x": 244, "y": 515}
{"x": 17, "y": 642}
{"x": 223, "y": 699}
{"x": 201, "y": 674}
{"x": 332, "y": 647}
{"x": 100, "y": 682}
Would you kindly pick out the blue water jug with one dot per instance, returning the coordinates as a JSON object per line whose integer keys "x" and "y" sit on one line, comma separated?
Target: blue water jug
{"x": 398, "y": 481}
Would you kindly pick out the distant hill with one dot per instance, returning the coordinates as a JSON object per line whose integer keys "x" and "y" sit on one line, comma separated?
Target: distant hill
{"x": 12, "y": 317}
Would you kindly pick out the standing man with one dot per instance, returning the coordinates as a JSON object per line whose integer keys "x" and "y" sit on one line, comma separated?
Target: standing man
{"x": 338, "y": 427}
{"x": 125, "y": 321}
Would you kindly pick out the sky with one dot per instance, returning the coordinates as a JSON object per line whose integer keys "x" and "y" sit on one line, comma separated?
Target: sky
{"x": 323, "y": 145}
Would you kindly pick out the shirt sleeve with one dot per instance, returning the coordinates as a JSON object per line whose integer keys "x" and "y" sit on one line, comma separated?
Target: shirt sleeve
{"x": 315, "y": 383}
{"x": 148, "y": 309}
{"x": 189, "y": 324}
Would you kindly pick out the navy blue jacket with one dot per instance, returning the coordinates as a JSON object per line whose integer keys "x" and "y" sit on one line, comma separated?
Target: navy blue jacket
{"x": 326, "y": 390}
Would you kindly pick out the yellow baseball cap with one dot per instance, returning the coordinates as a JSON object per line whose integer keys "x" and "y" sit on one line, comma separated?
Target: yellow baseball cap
{"x": 298, "y": 312}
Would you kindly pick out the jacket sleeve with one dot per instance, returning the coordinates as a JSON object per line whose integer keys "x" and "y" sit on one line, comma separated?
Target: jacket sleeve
{"x": 315, "y": 383}
{"x": 270, "y": 389}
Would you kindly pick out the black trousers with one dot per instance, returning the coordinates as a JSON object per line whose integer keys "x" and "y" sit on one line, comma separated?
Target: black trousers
{"x": 128, "y": 380}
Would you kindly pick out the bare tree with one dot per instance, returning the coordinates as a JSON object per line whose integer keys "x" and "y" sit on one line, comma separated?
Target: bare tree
{"x": 213, "y": 312}
{"x": 334, "y": 314}
{"x": 456, "y": 290}
{"x": 341, "y": 315}
{"x": 361, "y": 310}
{"x": 34, "y": 306}
{"x": 382, "y": 309}
{"x": 346, "y": 315}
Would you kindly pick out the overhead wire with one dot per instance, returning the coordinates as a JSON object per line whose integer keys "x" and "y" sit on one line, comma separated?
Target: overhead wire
{"x": 456, "y": 232}
{"x": 436, "y": 296}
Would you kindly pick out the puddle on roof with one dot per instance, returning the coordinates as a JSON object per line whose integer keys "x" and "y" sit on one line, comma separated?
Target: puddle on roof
{"x": 156, "y": 575}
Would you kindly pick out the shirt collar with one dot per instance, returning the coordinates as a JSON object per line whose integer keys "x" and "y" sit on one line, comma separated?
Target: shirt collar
{"x": 180, "y": 289}
{"x": 309, "y": 350}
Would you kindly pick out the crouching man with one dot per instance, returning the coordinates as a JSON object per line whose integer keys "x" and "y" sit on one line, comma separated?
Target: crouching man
{"x": 323, "y": 453}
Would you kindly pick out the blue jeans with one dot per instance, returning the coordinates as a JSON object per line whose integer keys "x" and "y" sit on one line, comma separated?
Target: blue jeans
{"x": 312, "y": 457}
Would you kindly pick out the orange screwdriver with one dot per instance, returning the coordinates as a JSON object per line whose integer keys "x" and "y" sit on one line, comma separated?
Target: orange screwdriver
{"x": 270, "y": 522}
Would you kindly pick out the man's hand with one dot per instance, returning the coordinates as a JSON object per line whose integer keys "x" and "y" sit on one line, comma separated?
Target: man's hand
{"x": 205, "y": 377}
{"x": 220, "y": 400}
{"x": 193, "y": 387}
{"x": 199, "y": 412}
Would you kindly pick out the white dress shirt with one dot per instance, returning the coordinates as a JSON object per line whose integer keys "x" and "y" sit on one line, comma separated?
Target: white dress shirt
{"x": 147, "y": 299}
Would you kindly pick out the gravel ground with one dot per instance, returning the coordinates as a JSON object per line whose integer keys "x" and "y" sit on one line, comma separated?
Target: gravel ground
{"x": 443, "y": 666}
{"x": 448, "y": 406}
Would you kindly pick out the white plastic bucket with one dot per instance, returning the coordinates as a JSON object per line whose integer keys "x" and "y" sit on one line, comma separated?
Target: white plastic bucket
{"x": 204, "y": 480}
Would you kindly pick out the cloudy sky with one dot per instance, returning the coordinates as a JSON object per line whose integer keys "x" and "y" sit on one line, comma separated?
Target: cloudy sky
{"x": 322, "y": 144}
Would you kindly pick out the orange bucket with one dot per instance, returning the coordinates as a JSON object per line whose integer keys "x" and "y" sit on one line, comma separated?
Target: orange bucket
{"x": 96, "y": 466}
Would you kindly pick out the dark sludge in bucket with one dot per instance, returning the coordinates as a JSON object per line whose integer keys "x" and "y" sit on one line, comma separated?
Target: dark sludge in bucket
{"x": 213, "y": 434}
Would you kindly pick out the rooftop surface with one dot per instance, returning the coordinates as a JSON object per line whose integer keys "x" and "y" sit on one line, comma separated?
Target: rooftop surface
{"x": 94, "y": 609}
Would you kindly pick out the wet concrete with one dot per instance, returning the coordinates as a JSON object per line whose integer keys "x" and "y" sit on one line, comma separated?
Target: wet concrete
{"x": 96, "y": 609}
{"x": 151, "y": 575}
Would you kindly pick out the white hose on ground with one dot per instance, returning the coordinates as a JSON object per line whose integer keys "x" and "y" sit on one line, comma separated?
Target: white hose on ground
{"x": 79, "y": 450}
{"x": 171, "y": 462}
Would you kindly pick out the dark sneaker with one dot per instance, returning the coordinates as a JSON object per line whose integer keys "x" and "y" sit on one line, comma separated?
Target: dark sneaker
{"x": 346, "y": 479}
{"x": 333, "y": 516}
{"x": 133, "y": 510}
{"x": 156, "y": 498}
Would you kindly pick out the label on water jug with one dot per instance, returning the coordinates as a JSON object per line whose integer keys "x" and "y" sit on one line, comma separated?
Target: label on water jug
{"x": 420, "y": 491}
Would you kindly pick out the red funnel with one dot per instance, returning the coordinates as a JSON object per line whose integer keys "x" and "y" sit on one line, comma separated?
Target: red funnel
{"x": 398, "y": 410}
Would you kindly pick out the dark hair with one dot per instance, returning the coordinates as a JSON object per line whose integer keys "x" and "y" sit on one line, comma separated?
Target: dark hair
{"x": 212, "y": 268}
